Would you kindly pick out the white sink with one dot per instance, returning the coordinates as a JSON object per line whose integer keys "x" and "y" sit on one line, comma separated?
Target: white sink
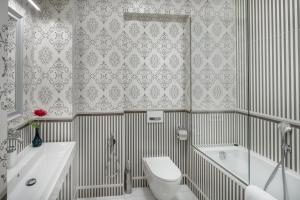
{"x": 48, "y": 164}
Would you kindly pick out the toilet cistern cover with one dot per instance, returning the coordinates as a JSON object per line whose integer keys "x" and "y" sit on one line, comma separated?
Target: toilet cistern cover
{"x": 163, "y": 168}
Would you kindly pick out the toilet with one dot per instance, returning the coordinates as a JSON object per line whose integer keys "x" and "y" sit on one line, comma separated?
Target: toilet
{"x": 163, "y": 176}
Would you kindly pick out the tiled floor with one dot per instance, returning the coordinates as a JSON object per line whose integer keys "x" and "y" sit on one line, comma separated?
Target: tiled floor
{"x": 184, "y": 193}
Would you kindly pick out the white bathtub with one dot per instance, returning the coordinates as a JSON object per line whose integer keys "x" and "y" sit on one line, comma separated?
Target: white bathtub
{"x": 236, "y": 161}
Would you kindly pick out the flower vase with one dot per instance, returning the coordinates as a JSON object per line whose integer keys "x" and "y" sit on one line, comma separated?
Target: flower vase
{"x": 37, "y": 140}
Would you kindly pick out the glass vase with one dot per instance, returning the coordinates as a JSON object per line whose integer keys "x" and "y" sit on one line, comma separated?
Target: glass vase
{"x": 37, "y": 140}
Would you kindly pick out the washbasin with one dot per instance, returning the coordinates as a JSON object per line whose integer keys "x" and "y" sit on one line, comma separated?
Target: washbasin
{"x": 40, "y": 172}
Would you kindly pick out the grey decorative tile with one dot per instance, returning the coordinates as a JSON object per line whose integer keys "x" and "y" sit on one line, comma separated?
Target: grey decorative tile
{"x": 164, "y": 45}
{"x": 92, "y": 59}
{"x": 82, "y": 76}
{"x": 103, "y": 9}
{"x": 115, "y": 59}
{"x": 207, "y": 76}
{"x": 59, "y": 75}
{"x": 92, "y": 93}
{"x": 227, "y": 45}
{"x": 92, "y": 25}
{"x": 227, "y": 13}
{"x": 59, "y": 108}
{"x": 45, "y": 55}
{"x": 103, "y": 76}
{"x": 45, "y": 95}
{"x": 207, "y": 45}
{"x": 94, "y": 55}
{"x": 164, "y": 76}
{"x": 59, "y": 36}
{"x": 144, "y": 76}
{"x": 103, "y": 42}
{"x": 207, "y": 13}
{"x": 144, "y": 45}
{"x": 59, "y": 5}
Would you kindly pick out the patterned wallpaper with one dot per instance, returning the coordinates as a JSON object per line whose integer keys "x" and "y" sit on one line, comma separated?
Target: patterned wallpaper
{"x": 26, "y": 12}
{"x": 47, "y": 57}
{"x": 3, "y": 61}
{"x": 52, "y": 70}
{"x": 143, "y": 62}
{"x": 11, "y": 50}
{"x": 96, "y": 61}
{"x": 3, "y": 92}
{"x": 213, "y": 56}
{"x": 158, "y": 76}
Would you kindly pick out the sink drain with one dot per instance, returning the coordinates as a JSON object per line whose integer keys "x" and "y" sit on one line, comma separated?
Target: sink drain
{"x": 31, "y": 182}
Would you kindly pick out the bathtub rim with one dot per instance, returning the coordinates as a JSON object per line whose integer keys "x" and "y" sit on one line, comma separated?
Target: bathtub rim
{"x": 203, "y": 150}
{"x": 220, "y": 167}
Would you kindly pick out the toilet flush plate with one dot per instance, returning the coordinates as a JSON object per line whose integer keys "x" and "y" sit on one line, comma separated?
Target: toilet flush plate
{"x": 155, "y": 116}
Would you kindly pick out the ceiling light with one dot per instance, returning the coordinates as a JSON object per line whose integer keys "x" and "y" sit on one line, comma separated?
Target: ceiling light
{"x": 34, "y": 5}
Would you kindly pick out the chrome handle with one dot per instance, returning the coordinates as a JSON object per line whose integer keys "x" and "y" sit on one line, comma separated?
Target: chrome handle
{"x": 286, "y": 130}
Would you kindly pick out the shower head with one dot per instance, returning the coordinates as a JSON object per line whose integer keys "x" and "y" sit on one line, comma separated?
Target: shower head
{"x": 284, "y": 128}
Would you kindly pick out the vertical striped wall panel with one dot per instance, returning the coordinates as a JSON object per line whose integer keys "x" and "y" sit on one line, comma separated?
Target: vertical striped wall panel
{"x": 214, "y": 183}
{"x": 266, "y": 140}
{"x": 274, "y": 57}
{"x": 213, "y": 128}
{"x": 136, "y": 138}
{"x": 241, "y": 52}
{"x": 230, "y": 128}
{"x": 241, "y": 123}
{"x": 67, "y": 189}
{"x": 93, "y": 154}
{"x": 57, "y": 131}
{"x": 92, "y": 133}
{"x": 157, "y": 139}
{"x": 51, "y": 131}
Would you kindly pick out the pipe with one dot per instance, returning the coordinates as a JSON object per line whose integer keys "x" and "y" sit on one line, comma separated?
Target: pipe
{"x": 285, "y": 130}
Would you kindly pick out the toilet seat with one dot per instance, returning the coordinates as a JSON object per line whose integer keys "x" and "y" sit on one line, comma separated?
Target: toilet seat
{"x": 163, "y": 168}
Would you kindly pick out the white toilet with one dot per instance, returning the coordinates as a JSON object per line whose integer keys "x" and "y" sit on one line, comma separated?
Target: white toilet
{"x": 163, "y": 177}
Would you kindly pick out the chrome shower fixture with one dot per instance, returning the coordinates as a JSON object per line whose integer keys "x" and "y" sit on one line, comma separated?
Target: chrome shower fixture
{"x": 284, "y": 127}
{"x": 112, "y": 167}
{"x": 285, "y": 131}
{"x": 112, "y": 142}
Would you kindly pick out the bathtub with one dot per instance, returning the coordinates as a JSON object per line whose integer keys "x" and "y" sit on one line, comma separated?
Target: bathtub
{"x": 235, "y": 160}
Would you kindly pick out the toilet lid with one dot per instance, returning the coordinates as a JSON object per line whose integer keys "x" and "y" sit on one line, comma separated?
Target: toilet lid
{"x": 163, "y": 168}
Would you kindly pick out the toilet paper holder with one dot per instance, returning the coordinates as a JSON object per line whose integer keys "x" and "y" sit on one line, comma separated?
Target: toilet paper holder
{"x": 181, "y": 133}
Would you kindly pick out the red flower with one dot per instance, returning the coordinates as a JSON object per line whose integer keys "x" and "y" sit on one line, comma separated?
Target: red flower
{"x": 40, "y": 112}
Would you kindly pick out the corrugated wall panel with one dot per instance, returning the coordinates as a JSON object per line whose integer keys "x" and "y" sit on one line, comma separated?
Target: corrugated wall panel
{"x": 67, "y": 190}
{"x": 50, "y": 131}
{"x": 229, "y": 128}
{"x": 157, "y": 139}
{"x": 142, "y": 139}
{"x": 274, "y": 58}
{"x": 93, "y": 155}
{"x": 213, "y": 128}
{"x": 273, "y": 71}
{"x": 266, "y": 140}
{"x": 241, "y": 52}
{"x": 57, "y": 131}
{"x": 213, "y": 182}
